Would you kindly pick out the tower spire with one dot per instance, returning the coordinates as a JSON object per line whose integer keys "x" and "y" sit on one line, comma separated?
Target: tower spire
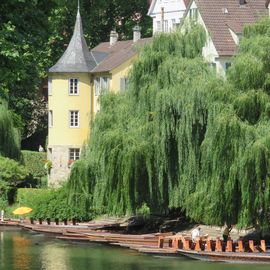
{"x": 76, "y": 58}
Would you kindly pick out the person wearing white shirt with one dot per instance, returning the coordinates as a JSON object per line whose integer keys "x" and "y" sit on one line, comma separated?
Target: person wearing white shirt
{"x": 195, "y": 233}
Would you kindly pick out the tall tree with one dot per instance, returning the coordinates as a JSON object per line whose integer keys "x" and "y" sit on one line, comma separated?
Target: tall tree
{"x": 192, "y": 140}
{"x": 23, "y": 56}
{"x": 9, "y": 135}
{"x": 33, "y": 35}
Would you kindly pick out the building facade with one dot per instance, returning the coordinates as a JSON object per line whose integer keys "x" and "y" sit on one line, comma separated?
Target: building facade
{"x": 75, "y": 84}
{"x": 223, "y": 22}
{"x": 167, "y": 14}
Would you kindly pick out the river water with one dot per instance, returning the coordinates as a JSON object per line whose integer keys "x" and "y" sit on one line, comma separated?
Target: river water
{"x": 22, "y": 250}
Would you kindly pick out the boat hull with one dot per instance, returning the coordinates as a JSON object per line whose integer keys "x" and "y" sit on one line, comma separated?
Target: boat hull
{"x": 231, "y": 257}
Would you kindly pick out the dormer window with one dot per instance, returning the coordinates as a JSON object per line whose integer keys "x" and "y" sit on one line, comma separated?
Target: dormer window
{"x": 73, "y": 87}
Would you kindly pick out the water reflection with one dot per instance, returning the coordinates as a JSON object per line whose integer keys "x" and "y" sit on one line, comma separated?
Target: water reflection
{"x": 1, "y": 249}
{"x": 21, "y": 252}
{"x": 55, "y": 257}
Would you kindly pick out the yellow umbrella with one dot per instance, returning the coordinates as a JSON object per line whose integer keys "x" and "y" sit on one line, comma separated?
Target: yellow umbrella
{"x": 22, "y": 210}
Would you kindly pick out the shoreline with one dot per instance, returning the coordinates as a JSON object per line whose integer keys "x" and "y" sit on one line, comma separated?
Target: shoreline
{"x": 156, "y": 244}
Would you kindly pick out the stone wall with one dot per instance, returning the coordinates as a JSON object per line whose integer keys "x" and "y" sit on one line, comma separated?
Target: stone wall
{"x": 59, "y": 155}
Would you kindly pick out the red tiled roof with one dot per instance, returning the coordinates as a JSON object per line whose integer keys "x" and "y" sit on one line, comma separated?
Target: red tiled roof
{"x": 219, "y": 16}
{"x": 117, "y": 54}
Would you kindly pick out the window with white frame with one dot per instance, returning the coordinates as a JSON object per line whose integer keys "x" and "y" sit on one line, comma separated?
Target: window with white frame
{"x": 50, "y": 118}
{"x": 97, "y": 86}
{"x": 166, "y": 26}
{"x": 74, "y": 153}
{"x": 73, "y": 87}
{"x": 102, "y": 84}
{"x": 49, "y": 86}
{"x": 74, "y": 119}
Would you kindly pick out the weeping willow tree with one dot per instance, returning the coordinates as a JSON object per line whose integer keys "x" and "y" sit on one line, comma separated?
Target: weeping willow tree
{"x": 183, "y": 137}
{"x": 9, "y": 135}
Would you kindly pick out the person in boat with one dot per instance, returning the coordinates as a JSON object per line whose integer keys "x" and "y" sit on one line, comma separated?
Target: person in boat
{"x": 226, "y": 232}
{"x": 195, "y": 233}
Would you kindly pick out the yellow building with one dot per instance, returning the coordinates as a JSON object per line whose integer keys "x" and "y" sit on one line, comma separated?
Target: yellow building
{"x": 75, "y": 83}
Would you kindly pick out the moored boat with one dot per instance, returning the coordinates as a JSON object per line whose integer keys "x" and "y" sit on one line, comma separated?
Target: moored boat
{"x": 227, "y": 256}
{"x": 217, "y": 250}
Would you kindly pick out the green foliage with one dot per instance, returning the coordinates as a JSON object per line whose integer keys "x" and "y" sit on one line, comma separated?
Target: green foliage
{"x": 119, "y": 173}
{"x": 11, "y": 172}
{"x": 100, "y": 17}
{"x": 252, "y": 67}
{"x": 247, "y": 72}
{"x": 24, "y": 57}
{"x": 48, "y": 165}
{"x": 182, "y": 137}
{"x": 9, "y": 135}
{"x": 50, "y": 203}
{"x": 144, "y": 210}
{"x": 35, "y": 163}
{"x": 33, "y": 35}
{"x": 12, "y": 175}
{"x": 3, "y": 203}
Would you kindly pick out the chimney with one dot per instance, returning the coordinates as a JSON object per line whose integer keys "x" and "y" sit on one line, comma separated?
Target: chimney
{"x": 242, "y": 2}
{"x": 136, "y": 33}
{"x": 113, "y": 37}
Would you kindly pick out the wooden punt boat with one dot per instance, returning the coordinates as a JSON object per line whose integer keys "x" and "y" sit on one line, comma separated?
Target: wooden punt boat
{"x": 210, "y": 250}
{"x": 231, "y": 257}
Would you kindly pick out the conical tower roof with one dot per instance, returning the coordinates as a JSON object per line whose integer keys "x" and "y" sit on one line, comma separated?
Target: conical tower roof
{"x": 77, "y": 57}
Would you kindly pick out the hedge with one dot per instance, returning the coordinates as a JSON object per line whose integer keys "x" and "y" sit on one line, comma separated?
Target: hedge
{"x": 50, "y": 203}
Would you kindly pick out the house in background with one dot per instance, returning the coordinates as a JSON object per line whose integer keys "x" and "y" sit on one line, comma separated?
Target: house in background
{"x": 223, "y": 22}
{"x": 114, "y": 60}
{"x": 75, "y": 83}
{"x": 167, "y": 14}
